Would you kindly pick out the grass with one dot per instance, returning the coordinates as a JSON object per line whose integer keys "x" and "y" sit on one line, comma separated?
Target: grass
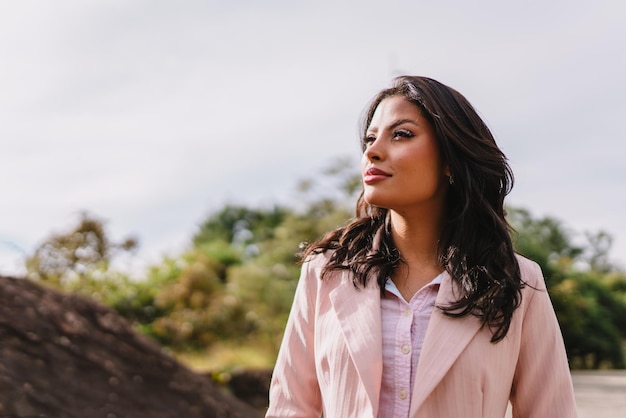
{"x": 226, "y": 356}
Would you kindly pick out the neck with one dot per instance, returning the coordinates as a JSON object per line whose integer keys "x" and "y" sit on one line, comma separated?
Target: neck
{"x": 416, "y": 237}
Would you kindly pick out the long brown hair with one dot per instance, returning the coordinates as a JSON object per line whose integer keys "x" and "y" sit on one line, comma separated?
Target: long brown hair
{"x": 475, "y": 246}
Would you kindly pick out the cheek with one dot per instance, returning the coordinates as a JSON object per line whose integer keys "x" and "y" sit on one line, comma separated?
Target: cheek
{"x": 425, "y": 168}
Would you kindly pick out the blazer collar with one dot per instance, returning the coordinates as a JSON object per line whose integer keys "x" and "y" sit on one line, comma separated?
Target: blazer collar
{"x": 359, "y": 315}
{"x": 358, "y": 312}
{"x": 445, "y": 340}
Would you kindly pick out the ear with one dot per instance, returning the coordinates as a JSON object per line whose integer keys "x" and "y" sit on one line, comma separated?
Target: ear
{"x": 446, "y": 170}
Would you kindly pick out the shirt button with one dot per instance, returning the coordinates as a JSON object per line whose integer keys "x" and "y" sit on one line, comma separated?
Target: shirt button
{"x": 402, "y": 394}
{"x": 408, "y": 312}
{"x": 406, "y": 349}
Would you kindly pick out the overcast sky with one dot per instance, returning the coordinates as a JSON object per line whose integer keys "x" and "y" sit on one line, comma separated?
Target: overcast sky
{"x": 150, "y": 114}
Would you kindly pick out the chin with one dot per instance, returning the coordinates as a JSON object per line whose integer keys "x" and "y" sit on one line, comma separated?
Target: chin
{"x": 376, "y": 201}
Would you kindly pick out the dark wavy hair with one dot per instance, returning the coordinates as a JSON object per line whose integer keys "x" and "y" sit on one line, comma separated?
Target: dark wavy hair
{"x": 475, "y": 246}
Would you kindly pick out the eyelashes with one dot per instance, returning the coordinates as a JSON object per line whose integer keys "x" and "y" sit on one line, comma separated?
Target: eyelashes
{"x": 398, "y": 134}
{"x": 403, "y": 133}
{"x": 368, "y": 139}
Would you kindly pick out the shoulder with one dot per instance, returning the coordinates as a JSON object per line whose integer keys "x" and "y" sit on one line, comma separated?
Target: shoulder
{"x": 314, "y": 266}
{"x": 535, "y": 294}
{"x": 315, "y": 262}
{"x": 314, "y": 274}
{"x": 530, "y": 273}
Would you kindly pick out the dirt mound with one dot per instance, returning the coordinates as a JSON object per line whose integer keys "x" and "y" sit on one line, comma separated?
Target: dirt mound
{"x": 251, "y": 386}
{"x": 65, "y": 356}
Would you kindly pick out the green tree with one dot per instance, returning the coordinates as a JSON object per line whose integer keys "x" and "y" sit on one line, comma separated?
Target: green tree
{"x": 589, "y": 300}
{"x": 597, "y": 253}
{"x": 240, "y": 225}
{"x": 591, "y": 320}
{"x": 65, "y": 258}
{"x": 546, "y": 240}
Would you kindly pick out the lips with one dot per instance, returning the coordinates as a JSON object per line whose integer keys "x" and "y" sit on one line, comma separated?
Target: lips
{"x": 374, "y": 175}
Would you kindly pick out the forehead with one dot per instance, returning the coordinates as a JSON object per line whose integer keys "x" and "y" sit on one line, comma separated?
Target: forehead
{"x": 392, "y": 109}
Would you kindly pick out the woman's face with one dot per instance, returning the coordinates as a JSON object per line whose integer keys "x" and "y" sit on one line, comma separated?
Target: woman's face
{"x": 401, "y": 166}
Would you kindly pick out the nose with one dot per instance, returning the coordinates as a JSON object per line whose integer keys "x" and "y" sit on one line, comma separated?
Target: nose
{"x": 374, "y": 151}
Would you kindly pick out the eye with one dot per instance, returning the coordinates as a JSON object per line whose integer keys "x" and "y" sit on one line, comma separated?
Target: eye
{"x": 368, "y": 139}
{"x": 402, "y": 133}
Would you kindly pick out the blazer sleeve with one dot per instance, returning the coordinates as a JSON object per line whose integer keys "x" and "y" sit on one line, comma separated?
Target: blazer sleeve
{"x": 294, "y": 389}
{"x": 542, "y": 386}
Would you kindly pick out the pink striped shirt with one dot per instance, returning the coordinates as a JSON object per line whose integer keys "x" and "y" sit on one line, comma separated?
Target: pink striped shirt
{"x": 404, "y": 328}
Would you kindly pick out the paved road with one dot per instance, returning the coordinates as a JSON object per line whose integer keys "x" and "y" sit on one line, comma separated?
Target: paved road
{"x": 599, "y": 394}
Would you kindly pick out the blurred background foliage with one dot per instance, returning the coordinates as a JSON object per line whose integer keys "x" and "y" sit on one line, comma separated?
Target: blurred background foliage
{"x": 224, "y": 301}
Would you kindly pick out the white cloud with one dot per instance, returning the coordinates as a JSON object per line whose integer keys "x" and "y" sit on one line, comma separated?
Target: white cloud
{"x": 151, "y": 113}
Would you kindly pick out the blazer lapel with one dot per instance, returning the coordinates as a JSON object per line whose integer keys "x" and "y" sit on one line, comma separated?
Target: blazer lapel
{"x": 445, "y": 339}
{"x": 358, "y": 312}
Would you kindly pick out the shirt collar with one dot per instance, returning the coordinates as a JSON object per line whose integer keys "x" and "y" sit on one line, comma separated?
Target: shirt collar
{"x": 390, "y": 286}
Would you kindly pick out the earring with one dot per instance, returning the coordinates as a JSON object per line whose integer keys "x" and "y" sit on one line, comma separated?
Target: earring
{"x": 450, "y": 179}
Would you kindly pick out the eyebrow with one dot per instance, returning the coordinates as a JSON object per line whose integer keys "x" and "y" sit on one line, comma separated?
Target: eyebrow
{"x": 401, "y": 122}
{"x": 397, "y": 123}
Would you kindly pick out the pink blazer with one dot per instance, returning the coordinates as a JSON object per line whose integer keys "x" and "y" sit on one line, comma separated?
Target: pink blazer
{"x": 330, "y": 360}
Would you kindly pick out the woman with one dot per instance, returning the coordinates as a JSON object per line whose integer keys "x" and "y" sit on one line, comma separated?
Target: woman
{"x": 420, "y": 307}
